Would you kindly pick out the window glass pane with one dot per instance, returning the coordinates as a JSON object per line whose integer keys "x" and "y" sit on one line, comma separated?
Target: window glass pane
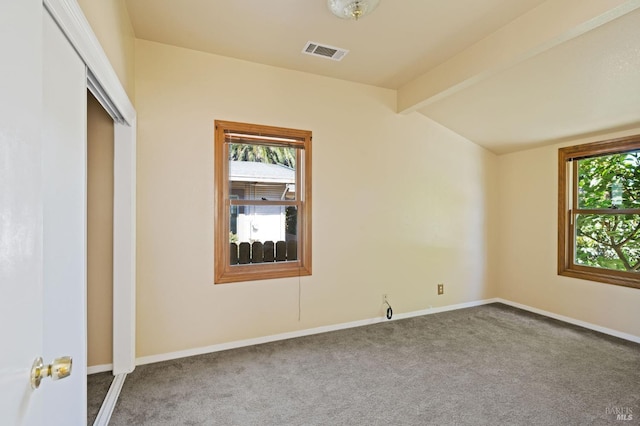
{"x": 262, "y": 172}
{"x": 609, "y": 181}
{"x": 608, "y": 241}
{"x": 269, "y": 229}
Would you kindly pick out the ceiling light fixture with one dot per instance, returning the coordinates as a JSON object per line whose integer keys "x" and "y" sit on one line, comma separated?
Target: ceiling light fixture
{"x": 352, "y": 9}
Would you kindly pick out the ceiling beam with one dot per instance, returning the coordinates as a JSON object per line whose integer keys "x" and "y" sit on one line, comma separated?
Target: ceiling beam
{"x": 548, "y": 25}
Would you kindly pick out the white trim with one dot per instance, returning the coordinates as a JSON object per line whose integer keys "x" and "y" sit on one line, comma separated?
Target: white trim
{"x": 102, "y": 368}
{"x": 447, "y": 308}
{"x": 324, "y": 329}
{"x": 124, "y": 248}
{"x": 300, "y": 333}
{"x": 573, "y": 321}
{"x": 109, "y": 403}
{"x": 102, "y": 97}
{"x": 76, "y": 28}
{"x": 103, "y": 82}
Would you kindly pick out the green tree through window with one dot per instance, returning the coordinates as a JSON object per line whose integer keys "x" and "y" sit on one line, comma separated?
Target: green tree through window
{"x": 599, "y": 211}
{"x": 608, "y": 239}
{"x": 282, "y": 155}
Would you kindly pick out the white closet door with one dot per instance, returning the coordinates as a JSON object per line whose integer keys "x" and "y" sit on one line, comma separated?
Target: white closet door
{"x": 20, "y": 210}
{"x": 64, "y": 170}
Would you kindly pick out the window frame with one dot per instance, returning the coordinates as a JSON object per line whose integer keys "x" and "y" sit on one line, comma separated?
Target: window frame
{"x": 567, "y": 202}
{"x": 224, "y": 272}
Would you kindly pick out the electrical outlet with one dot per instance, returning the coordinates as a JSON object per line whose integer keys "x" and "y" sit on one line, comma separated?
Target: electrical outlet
{"x": 440, "y": 289}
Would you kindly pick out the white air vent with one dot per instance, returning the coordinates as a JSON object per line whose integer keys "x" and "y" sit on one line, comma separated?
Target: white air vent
{"x": 329, "y": 52}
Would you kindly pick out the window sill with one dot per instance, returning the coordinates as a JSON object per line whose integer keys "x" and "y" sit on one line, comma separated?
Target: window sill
{"x": 240, "y": 273}
{"x": 594, "y": 274}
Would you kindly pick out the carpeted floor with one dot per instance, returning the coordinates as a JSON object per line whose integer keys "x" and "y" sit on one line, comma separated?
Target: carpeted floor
{"x": 97, "y": 387}
{"x": 488, "y": 365}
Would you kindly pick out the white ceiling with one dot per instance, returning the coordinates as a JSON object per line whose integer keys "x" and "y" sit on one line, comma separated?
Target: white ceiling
{"x": 506, "y": 74}
{"x": 588, "y": 85}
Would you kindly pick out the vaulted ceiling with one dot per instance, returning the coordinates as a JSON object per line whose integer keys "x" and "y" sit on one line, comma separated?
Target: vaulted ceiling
{"x": 506, "y": 74}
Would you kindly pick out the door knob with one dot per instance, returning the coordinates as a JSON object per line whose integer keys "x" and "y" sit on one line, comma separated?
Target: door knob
{"x": 58, "y": 369}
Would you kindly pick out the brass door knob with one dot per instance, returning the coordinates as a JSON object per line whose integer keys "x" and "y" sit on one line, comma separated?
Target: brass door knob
{"x": 58, "y": 369}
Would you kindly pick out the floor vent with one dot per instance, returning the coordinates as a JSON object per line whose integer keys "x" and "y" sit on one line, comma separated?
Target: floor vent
{"x": 324, "y": 51}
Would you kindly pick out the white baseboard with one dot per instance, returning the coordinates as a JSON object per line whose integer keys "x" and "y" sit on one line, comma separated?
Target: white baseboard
{"x": 301, "y": 333}
{"x": 430, "y": 311}
{"x": 573, "y": 321}
{"x": 99, "y": 368}
{"x": 324, "y": 329}
{"x": 109, "y": 403}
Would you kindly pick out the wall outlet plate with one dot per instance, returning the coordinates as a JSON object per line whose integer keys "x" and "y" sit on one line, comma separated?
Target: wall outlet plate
{"x": 440, "y": 289}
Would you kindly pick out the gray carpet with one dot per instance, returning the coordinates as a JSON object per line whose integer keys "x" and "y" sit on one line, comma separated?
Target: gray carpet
{"x": 97, "y": 387}
{"x": 488, "y": 365}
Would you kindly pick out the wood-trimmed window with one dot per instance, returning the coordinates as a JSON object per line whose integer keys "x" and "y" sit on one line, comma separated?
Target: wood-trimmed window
{"x": 599, "y": 211}
{"x": 263, "y": 202}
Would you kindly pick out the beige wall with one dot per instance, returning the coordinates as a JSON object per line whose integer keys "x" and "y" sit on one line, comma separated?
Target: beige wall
{"x": 526, "y": 255}
{"x": 400, "y": 203}
{"x": 99, "y": 234}
{"x": 112, "y": 26}
{"x": 420, "y": 202}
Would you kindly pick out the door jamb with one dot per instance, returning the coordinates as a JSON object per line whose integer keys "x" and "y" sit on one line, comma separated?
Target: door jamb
{"x": 103, "y": 82}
